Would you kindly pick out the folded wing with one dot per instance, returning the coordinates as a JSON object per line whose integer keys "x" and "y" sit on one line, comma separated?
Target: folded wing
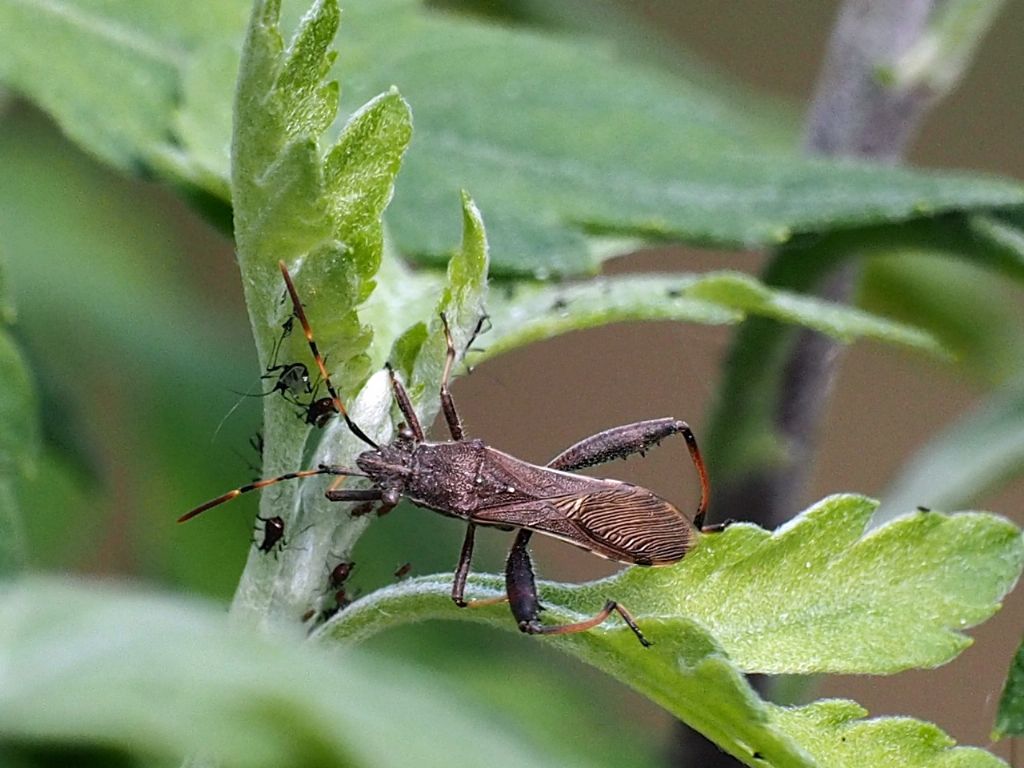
{"x": 620, "y": 522}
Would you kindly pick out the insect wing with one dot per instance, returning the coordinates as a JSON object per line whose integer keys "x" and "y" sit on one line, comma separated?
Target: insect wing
{"x": 620, "y": 522}
{"x": 630, "y": 524}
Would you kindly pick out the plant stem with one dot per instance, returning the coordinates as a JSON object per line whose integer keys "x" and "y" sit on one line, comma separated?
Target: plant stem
{"x": 887, "y": 64}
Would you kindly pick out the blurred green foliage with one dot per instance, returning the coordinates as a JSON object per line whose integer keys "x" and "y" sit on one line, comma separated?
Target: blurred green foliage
{"x": 135, "y": 355}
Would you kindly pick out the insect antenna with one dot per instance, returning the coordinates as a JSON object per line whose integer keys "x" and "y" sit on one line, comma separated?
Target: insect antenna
{"x": 325, "y": 377}
{"x": 322, "y": 470}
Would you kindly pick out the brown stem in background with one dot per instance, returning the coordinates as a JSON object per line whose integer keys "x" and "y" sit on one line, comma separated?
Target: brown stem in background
{"x": 887, "y": 64}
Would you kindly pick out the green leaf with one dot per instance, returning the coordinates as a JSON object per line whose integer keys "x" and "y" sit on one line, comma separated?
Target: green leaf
{"x": 820, "y": 595}
{"x": 155, "y": 675}
{"x": 19, "y": 435}
{"x": 421, "y": 350}
{"x": 19, "y": 448}
{"x": 976, "y": 454}
{"x": 527, "y": 312}
{"x": 685, "y": 672}
{"x": 911, "y": 276}
{"x": 319, "y": 212}
{"x": 506, "y": 124}
{"x": 67, "y": 55}
{"x": 1010, "y": 717}
{"x": 972, "y": 309}
{"x": 329, "y": 206}
{"x": 1005, "y": 237}
{"x": 173, "y": 365}
{"x": 13, "y": 549}
{"x": 19, "y": 428}
{"x": 835, "y": 733}
{"x": 462, "y": 303}
{"x": 817, "y": 595}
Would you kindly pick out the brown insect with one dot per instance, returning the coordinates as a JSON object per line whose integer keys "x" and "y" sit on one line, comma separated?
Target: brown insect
{"x": 273, "y": 534}
{"x": 402, "y": 571}
{"x": 467, "y": 479}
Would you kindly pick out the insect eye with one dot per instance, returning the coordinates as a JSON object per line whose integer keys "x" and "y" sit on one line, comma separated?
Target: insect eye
{"x": 405, "y": 433}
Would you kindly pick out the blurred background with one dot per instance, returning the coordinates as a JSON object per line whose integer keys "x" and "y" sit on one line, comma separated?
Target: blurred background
{"x": 130, "y": 310}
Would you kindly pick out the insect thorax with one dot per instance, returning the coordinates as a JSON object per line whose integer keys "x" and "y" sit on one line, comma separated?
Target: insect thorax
{"x": 443, "y": 476}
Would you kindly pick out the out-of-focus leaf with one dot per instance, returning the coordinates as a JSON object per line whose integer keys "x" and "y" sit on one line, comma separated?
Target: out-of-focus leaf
{"x": 19, "y": 435}
{"x": 836, "y": 734}
{"x": 67, "y": 56}
{"x": 913, "y": 275}
{"x": 13, "y": 554}
{"x": 1004, "y": 234}
{"x": 685, "y": 671}
{"x": 19, "y": 447}
{"x": 506, "y": 126}
{"x": 980, "y": 450}
{"x": 19, "y": 427}
{"x": 154, "y": 675}
{"x": 165, "y": 376}
{"x": 1010, "y": 717}
{"x": 972, "y": 311}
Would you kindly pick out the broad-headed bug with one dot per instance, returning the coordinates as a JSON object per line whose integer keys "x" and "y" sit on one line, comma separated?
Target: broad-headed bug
{"x": 466, "y": 479}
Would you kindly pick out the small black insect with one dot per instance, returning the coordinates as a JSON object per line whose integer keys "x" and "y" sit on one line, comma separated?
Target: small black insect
{"x": 290, "y": 379}
{"x": 256, "y": 443}
{"x": 340, "y": 573}
{"x": 402, "y": 571}
{"x": 319, "y": 411}
{"x": 273, "y": 534}
{"x": 338, "y": 576}
{"x": 467, "y": 479}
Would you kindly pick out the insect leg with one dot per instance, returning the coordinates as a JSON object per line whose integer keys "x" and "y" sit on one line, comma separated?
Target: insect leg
{"x": 462, "y": 569}
{"x": 405, "y": 405}
{"x": 353, "y": 494}
{"x": 301, "y": 314}
{"x": 388, "y": 500}
{"x": 620, "y": 442}
{"x": 447, "y": 404}
{"x": 522, "y": 598}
